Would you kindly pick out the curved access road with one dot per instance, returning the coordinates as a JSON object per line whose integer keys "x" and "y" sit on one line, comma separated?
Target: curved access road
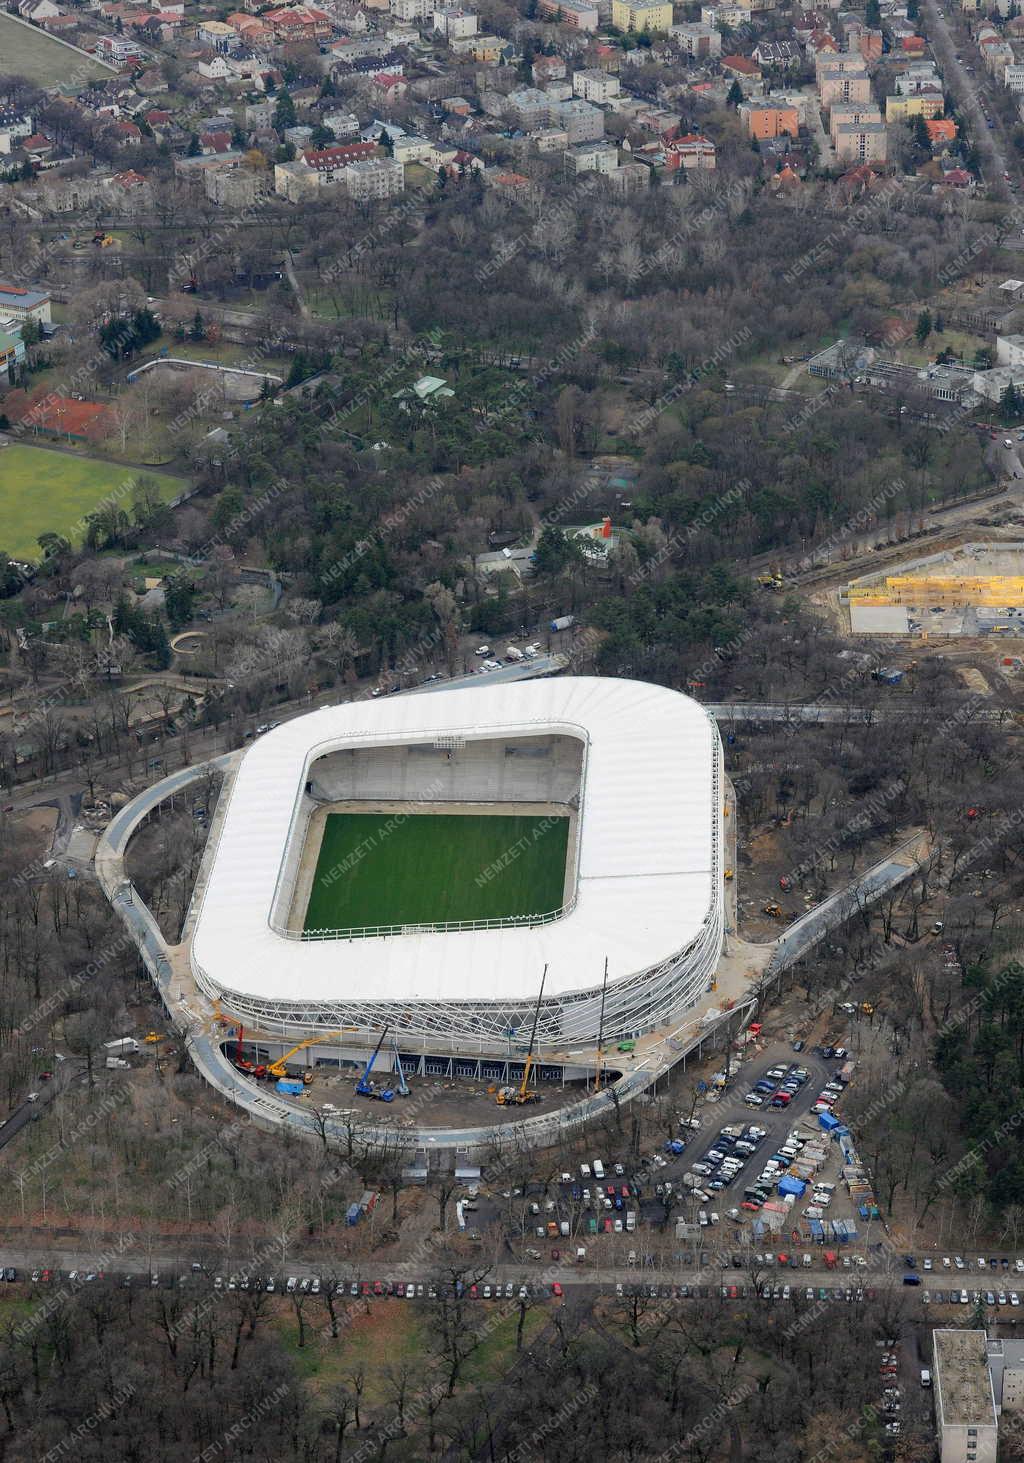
{"x": 193, "y": 1016}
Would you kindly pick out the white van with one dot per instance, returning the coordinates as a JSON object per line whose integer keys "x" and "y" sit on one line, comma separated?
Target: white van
{"x": 598, "y": 1169}
{"x": 584, "y": 1170}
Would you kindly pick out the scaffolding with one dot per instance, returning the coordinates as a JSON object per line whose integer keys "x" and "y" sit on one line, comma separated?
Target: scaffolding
{"x": 997, "y": 591}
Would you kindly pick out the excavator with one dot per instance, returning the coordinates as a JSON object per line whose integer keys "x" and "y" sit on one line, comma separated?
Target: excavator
{"x": 280, "y": 1067}
{"x": 523, "y": 1094}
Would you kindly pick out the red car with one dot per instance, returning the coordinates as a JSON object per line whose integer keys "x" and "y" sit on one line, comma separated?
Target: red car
{"x": 611, "y": 1191}
{"x": 378, "y": 1288}
{"x": 608, "y": 1227}
{"x": 473, "y": 1291}
{"x": 556, "y": 1289}
{"x": 364, "y": 1289}
{"x": 624, "y": 1191}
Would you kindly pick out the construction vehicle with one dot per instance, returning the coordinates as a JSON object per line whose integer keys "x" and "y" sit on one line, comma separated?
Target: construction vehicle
{"x": 151, "y": 1037}
{"x": 523, "y": 1094}
{"x": 366, "y": 1088}
{"x": 713, "y": 983}
{"x": 280, "y": 1067}
{"x": 403, "y": 1086}
{"x": 772, "y": 909}
{"x": 728, "y": 874}
{"x": 867, "y": 1008}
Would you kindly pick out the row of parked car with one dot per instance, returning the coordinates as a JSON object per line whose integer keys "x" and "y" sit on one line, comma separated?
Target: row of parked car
{"x": 733, "y": 1147}
{"x": 778, "y": 1086}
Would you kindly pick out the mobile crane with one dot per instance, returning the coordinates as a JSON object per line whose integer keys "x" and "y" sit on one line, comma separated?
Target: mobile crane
{"x": 366, "y": 1088}
{"x": 280, "y": 1067}
{"x": 403, "y": 1086}
{"x": 520, "y": 1096}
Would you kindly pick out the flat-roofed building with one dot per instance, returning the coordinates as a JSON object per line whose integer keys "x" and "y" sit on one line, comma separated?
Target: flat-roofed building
{"x": 964, "y": 1400}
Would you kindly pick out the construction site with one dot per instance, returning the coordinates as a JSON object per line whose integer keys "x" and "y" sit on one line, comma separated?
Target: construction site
{"x": 971, "y": 590}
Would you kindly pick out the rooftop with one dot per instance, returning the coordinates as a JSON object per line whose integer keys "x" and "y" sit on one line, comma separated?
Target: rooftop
{"x": 963, "y": 1383}
{"x": 645, "y": 884}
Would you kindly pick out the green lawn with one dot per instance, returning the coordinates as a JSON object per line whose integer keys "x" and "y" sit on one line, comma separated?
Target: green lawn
{"x": 43, "y": 492}
{"x": 32, "y": 53}
{"x": 393, "y": 868}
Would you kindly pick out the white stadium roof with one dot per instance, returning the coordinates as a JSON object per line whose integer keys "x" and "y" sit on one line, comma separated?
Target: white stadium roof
{"x": 645, "y": 883}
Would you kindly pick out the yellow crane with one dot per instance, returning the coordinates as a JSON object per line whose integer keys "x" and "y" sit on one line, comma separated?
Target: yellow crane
{"x": 519, "y": 1096}
{"x": 280, "y": 1067}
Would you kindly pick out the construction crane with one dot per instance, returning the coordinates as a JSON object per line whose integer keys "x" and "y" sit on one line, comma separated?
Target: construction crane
{"x": 403, "y": 1086}
{"x": 366, "y": 1088}
{"x": 280, "y": 1067}
{"x": 520, "y": 1096}
{"x": 600, "y": 1030}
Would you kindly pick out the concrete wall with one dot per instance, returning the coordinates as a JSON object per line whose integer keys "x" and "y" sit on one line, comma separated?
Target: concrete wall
{"x": 530, "y": 769}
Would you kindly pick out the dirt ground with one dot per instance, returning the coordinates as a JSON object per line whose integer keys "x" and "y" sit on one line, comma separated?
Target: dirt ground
{"x": 38, "y": 826}
{"x": 435, "y": 1101}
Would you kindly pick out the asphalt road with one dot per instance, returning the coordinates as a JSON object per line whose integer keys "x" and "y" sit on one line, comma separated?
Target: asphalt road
{"x": 964, "y": 88}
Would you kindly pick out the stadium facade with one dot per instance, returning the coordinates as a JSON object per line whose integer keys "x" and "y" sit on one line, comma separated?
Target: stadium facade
{"x": 638, "y": 768}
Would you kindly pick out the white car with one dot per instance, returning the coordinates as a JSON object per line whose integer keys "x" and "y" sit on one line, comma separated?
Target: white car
{"x": 482, "y": 650}
{"x": 492, "y": 665}
{"x": 1014, "y": 1298}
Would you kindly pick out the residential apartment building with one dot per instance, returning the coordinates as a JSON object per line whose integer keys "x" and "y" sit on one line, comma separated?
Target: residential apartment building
{"x": 453, "y": 22}
{"x": 13, "y": 127}
{"x": 582, "y": 121}
{"x": 595, "y": 86}
{"x": 1013, "y": 78}
{"x": 922, "y": 104}
{"x": 237, "y": 187}
{"x": 592, "y": 157}
{"x": 696, "y": 39}
{"x": 835, "y": 64}
{"x": 639, "y": 15}
{"x": 861, "y": 142}
{"x": 580, "y": 14}
{"x": 379, "y": 177}
{"x": 847, "y": 86}
{"x": 918, "y": 76}
{"x": 964, "y": 1399}
{"x": 529, "y": 106}
{"x": 845, "y": 114}
{"x": 727, "y": 13}
{"x": 694, "y": 152}
{"x": 767, "y": 119}
{"x": 412, "y": 10}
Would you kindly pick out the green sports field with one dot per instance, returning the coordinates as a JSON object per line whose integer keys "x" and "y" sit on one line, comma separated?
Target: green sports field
{"x": 431, "y": 868}
{"x": 29, "y": 52}
{"x": 51, "y": 492}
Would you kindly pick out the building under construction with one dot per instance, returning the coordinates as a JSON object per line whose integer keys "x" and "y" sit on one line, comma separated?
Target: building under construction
{"x": 976, "y": 589}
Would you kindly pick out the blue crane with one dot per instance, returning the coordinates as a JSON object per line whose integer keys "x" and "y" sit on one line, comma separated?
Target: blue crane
{"x": 366, "y": 1088}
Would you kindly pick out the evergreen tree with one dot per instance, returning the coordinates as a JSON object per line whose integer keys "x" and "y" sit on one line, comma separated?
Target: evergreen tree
{"x": 924, "y": 326}
{"x": 735, "y": 95}
{"x": 284, "y": 112}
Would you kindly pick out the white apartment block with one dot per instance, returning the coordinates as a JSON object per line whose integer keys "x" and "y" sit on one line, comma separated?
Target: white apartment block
{"x": 1013, "y": 78}
{"x": 593, "y": 157}
{"x": 594, "y": 85}
{"x": 455, "y": 23}
{"x": 412, "y": 10}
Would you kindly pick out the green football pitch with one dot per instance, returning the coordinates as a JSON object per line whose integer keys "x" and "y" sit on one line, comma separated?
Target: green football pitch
{"x": 432, "y": 868}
